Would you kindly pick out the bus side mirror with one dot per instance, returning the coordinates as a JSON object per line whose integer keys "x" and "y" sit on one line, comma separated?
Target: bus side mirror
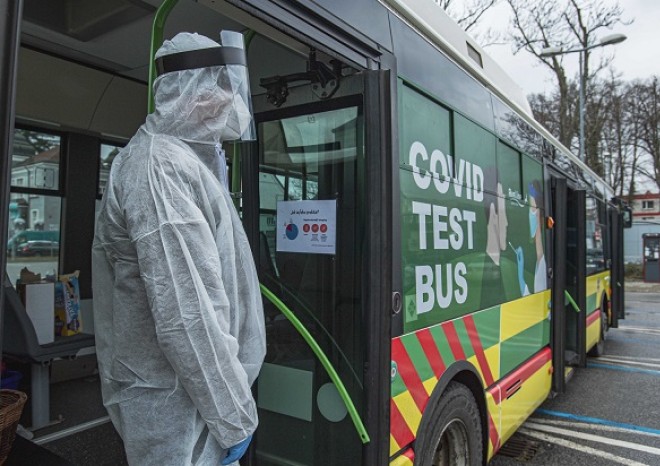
{"x": 627, "y": 217}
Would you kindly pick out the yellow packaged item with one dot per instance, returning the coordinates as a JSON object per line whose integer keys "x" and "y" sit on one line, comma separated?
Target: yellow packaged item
{"x": 67, "y": 305}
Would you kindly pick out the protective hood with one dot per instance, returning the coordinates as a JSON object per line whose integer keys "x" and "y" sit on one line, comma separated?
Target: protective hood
{"x": 202, "y": 105}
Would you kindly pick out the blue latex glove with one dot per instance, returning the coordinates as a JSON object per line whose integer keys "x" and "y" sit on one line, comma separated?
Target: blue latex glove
{"x": 236, "y": 452}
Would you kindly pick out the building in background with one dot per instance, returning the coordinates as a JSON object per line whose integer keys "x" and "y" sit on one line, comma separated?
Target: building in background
{"x": 646, "y": 207}
{"x": 646, "y": 220}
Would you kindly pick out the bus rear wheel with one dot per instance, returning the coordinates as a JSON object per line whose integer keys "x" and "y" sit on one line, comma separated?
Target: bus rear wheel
{"x": 599, "y": 348}
{"x": 454, "y": 435}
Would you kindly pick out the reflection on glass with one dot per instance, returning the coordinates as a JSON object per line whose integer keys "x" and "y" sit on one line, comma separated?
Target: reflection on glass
{"x": 596, "y": 235}
{"x": 108, "y": 154}
{"x": 308, "y": 158}
{"x": 33, "y": 234}
{"x": 35, "y": 160}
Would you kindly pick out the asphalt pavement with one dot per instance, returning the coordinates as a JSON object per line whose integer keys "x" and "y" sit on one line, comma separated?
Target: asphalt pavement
{"x": 610, "y": 413}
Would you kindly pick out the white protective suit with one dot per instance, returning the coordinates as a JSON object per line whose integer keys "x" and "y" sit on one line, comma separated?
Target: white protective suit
{"x": 178, "y": 315}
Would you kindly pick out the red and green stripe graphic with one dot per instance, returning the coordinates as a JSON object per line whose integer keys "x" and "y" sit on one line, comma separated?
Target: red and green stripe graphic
{"x": 502, "y": 340}
{"x": 420, "y": 359}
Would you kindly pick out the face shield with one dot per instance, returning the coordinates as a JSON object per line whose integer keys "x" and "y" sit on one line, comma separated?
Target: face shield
{"x": 202, "y": 92}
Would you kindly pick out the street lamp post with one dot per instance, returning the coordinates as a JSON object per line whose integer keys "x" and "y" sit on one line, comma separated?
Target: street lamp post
{"x": 552, "y": 51}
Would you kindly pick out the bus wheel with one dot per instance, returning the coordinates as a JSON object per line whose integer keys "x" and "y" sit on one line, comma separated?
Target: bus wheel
{"x": 454, "y": 435}
{"x": 599, "y": 348}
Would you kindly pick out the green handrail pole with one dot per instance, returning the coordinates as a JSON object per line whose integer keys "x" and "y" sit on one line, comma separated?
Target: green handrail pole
{"x": 325, "y": 362}
{"x": 572, "y": 301}
{"x": 156, "y": 41}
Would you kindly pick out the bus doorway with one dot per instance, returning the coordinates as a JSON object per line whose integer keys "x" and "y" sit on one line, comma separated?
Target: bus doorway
{"x": 569, "y": 280}
{"x": 305, "y": 194}
{"x": 617, "y": 225}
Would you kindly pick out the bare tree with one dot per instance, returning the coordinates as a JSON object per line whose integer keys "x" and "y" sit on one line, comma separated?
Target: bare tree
{"x": 466, "y": 13}
{"x": 618, "y": 149}
{"x": 548, "y": 108}
{"x": 570, "y": 24}
{"x": 647, "y": 116}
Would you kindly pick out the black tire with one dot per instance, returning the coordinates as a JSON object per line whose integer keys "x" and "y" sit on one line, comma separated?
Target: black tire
{"x": 599, "y": 348}
{"x": 453, "y": 436}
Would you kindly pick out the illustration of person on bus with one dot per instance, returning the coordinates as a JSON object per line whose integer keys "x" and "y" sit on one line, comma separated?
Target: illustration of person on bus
{"x": 535, "y": 232}
{"x": 498, "y": 283}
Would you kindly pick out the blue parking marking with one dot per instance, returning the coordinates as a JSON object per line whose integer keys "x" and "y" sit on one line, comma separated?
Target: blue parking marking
{"x": 595, "y": 420}
{"x": 613, "y": 367}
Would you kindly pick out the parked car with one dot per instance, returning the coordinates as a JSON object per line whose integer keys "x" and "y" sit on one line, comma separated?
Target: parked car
{"x": 595, "y": 261}
{"x": 38, "y": 248}
{"x": 27, "y": 236}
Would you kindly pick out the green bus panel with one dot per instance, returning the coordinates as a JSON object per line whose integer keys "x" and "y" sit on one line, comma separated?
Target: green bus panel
{"x": 472, "y": 234}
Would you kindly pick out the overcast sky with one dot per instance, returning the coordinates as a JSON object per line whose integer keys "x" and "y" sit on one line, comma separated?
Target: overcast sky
{"x": 637, "y": 57}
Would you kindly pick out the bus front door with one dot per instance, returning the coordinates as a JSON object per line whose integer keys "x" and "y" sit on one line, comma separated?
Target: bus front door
{"x": 304, "y": 206}
{"x": 569, "y": 281}
{"x": 616, "y": 266}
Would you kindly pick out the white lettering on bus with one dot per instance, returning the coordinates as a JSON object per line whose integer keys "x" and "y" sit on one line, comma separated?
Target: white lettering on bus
{"x": 468, "y": 175}
{"x": 460, "y": 223}
{"x": 423, "y": 181}
{"x": 423, "y": 210}
{"x": 441, "y": 182}
{"x": 441, "y": 288}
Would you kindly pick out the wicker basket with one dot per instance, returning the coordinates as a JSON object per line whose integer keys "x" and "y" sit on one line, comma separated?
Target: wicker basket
{"x": 11, "y": 408}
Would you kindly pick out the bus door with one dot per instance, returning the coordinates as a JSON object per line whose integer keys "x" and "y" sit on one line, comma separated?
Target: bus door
{"x": 568, "y": 280}
{"x": 616, "y": 265}
{"x": 305, "y": 191}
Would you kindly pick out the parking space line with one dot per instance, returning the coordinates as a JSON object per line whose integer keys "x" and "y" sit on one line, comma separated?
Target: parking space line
{"x": 576, "y": 446}
{"x": 595, "y": 420}
{"x": 623, "y": 368}
{"x": 587, "y": 425}
{"x": 594, "y": 438}
{"x": 631, "y": 358}
{"x": 646, "y": 330}
{"x": 628, "y": 362}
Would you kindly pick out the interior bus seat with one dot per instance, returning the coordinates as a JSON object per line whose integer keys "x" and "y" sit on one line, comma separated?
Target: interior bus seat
{"x": 19, "y": 341}
{"x": 291, "y": 266}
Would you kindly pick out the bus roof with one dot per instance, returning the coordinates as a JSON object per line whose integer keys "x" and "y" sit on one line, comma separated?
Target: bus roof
{"x": 431, "y": 21}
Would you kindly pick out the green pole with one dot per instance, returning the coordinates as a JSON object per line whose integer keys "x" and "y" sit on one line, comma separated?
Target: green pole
{"x": 156, "y": 41}
{"x": 325, "y": 362}
{"x": 572, "y": 302}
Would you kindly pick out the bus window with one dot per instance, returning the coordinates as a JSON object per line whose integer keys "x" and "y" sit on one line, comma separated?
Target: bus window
{"x": 509, "y": 171}
{"x": 307, "y": 160}
{"x": 596, "y": 232}
{"x": 33, "y": 230}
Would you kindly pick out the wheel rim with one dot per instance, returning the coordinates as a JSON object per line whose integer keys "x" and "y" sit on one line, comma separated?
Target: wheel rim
{"x": 452, "y": 448}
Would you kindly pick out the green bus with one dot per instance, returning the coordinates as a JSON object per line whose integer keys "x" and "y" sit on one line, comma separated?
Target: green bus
{"x": 434, "y": 263}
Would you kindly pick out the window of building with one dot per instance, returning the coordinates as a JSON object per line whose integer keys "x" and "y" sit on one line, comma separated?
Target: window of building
{"x": 648, "y": 205}
{"x": 36, "y": 160}
{"x": 35, "y": 204}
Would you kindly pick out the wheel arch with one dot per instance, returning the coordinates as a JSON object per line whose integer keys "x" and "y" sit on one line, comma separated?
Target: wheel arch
{"x": 604, "y": 307}
{"x": 466, "y": 374}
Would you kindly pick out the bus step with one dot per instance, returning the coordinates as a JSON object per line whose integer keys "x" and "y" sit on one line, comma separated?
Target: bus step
{"x": 571, "y": 358}
{"x": 520, "y": 448}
